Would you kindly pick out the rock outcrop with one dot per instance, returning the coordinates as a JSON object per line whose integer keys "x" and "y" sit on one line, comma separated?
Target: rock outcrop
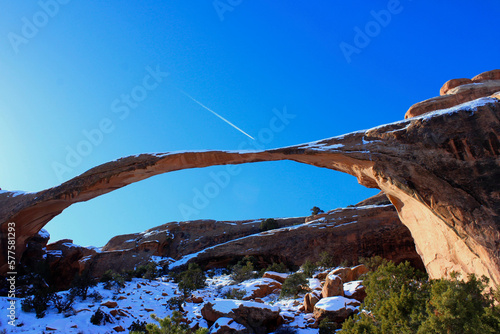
{"x": 457, "y": 91}
{"x": 440, "y": 170}
{"x": 347, "y": 234}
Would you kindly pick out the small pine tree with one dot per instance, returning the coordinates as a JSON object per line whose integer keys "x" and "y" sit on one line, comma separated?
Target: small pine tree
{"x": 316, "y": 211}
{"x": 192, "y": 279}
{"x": 82, "y": 283}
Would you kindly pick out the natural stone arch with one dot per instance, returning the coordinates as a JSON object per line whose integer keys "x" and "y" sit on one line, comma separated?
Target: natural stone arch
{"x": 449, "y": 201}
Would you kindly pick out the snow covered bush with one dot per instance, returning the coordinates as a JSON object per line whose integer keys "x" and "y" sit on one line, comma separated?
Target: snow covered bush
{"x": 63, "y": 303}
{"x": 100, "y": 318}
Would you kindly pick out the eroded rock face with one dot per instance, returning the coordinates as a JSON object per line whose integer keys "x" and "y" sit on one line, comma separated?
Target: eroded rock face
{"x": 346, "y": 234}
{"x": 440, "y": 170}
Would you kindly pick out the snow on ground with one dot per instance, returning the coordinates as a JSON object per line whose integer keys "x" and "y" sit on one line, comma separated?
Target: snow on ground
{"x": 140, "y": 298}
{"x": 335, "y": 303}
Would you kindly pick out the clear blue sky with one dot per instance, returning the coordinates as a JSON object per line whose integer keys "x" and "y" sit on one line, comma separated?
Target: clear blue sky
{"x": 68, "y": 68}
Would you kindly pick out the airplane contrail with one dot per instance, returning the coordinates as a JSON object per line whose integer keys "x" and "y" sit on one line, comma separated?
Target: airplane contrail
{"x": 213, "y": 112}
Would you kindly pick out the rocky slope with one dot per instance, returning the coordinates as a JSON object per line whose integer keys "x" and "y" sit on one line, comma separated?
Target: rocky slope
{"x": 440, "y": 170}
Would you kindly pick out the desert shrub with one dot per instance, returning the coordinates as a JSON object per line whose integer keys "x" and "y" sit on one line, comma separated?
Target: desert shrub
{"x": 95, "y": 296}
{"x": 326, "y": 260}
{"x": 372, "y": 263}
{"x": 315, "y": 211}
{"x": 191, "y": 279}
{"x": 81, "y": 284}
{"x": 401, "y": 299}
{"x": 309, "y": 268}
{"x": 171, "y": 325}
{"x": 63, "y": 303}
{"x": 148, "y": 271}
{"x": 277, "y": 267}
{"x": 138, "y": 327}
{"x": 107, "y": 276}
{"x": 293, "y": 285}
{"x": 242, "y": 273}
{"x": 128, "y": 275}
{"x": 111, "y": 279}
{"x": 458, "y": 306}
{"x": 328, "y": 326}
{"x": 100, "y": 318}
{"x": 176, "y": 303}
{"x": 38, "y": 302}
{"x": 235, "y": 294}
{"x": 268, "y": 224}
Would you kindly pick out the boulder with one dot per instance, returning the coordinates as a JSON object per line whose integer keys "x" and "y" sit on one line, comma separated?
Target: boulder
{"x": 355, "y": 290}
{"x": 322, "y": 275}
{"x": 310, "y": 299}
{"x": 450, "y": 84}
{"x": 345, "y": 273}
{"x": 454, "y": 97}
{"x": 333, "y": 286}
{"x": 338, "y": 309}
{"x": 280, "y": 277}
{"x": 260, "y": 288}
{"x": 256, "y": 317}
{"x": 227, "y": 326}
{"x": 488, "y": 75}
{"x": 357, "y": 271}
{"x": 110, "y": 304}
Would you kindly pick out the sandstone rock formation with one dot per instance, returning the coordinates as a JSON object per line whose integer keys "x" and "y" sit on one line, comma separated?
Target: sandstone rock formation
{"x": 440, "y": 170}
{"x": 458, "y": 91}
{"x": 334, "y": 286}
{"x": 338, "y": 309}
{"x": 257, "y": 318}
{"x": 346, "y": 234}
